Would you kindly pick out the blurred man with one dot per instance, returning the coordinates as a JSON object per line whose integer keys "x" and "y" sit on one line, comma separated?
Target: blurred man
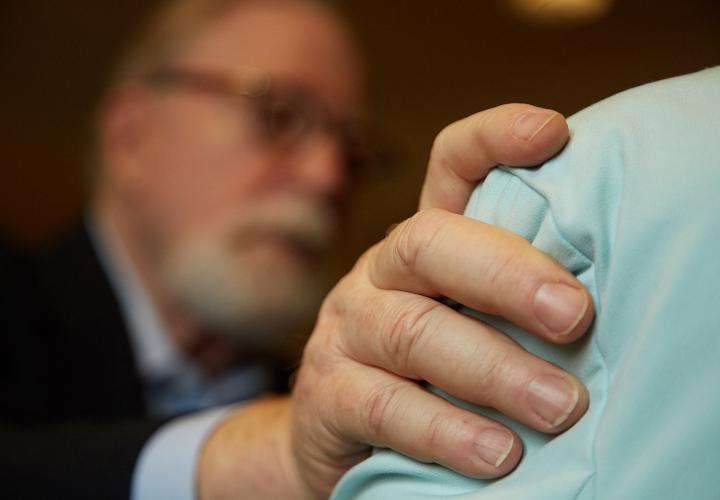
{"x": 222, "y": 165}
{"x": 224, "y": 147}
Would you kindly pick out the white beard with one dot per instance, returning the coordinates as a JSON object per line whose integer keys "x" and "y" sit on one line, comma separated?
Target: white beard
{"x": 251, "y": 277}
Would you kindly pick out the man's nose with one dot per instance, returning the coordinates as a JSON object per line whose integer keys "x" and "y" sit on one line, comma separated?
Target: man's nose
{"x": 322, "y": 165}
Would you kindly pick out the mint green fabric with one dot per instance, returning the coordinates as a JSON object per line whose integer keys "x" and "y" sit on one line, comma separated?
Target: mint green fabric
{"x": 632, "y": 208}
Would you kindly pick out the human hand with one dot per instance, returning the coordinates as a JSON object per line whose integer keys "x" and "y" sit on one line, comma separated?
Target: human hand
{"x": 382, "y": 329}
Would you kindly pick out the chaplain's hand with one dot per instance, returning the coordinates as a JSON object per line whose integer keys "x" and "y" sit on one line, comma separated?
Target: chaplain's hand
{"x": 383, "y": 330}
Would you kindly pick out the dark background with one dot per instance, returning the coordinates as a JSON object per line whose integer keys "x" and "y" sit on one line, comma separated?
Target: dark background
{"x": 431, "y": 62}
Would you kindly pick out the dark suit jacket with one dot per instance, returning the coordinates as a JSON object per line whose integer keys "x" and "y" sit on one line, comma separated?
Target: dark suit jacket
{"x": 72, "y": 413}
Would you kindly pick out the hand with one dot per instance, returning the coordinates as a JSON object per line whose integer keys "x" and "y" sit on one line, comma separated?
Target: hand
{"x": 382, "y": 330}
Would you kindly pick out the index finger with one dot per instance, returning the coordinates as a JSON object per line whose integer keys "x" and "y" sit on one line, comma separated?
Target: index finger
{"x": 517, "y": 135}
{"x": 437, "y": 253}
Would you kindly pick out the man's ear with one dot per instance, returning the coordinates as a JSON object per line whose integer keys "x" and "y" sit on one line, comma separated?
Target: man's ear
{"x": 124, "y": 131}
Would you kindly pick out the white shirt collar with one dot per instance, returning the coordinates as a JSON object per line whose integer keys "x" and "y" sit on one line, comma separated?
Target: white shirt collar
{"x": 157, "y": 357}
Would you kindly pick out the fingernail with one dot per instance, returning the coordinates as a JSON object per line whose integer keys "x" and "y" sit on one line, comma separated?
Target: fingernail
{"x": 559, "y": 307}
{"x": 552, "y": 398}
{"x": 528, "y": 125}
{"x": 494, "y": 446}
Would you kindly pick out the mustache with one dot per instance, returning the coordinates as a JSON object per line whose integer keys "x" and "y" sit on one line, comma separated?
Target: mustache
{"x": 307, "y": 222}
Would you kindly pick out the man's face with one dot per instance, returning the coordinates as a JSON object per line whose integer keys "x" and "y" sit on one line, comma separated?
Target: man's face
{"x": 237, "y": 219}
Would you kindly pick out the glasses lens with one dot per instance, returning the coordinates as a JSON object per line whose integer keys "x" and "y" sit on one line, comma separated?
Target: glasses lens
{"x": 284, "y": 123}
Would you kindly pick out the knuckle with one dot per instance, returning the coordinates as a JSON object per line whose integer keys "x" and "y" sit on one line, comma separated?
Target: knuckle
{"x": 337, "y": 303}
{"x": 381, "y": 403}
{"x": 440, "y": 149}
{"x": 318, "y": 357}
{"x": 446, "y": 151}
{"x": 318, "y": 360}
{"x": 331, "y": 307}
{"x": 471, "y": 135}
{"x": 510, "y": 269}
{"x": 332, "y": 399}
{"x": 495, "y": 369}
{"x": 328, "y": 345}
{"x": 436, "y": 438}
{"x": 455, "y": 151}
{"x": 480, "y": 124}
{"x": 407, "y": 332}
{"x": 366, "y": 259}
{"x": 415, "y": 236}
{"x": 347, "y": 314}
{"x": 503, "y": 265}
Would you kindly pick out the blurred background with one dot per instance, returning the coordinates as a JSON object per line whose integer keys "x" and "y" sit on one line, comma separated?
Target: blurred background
{"x": 430, "y": 62}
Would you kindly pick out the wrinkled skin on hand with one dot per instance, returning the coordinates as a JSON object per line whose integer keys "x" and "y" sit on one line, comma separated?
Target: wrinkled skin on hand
{"x": 382, "y": 329}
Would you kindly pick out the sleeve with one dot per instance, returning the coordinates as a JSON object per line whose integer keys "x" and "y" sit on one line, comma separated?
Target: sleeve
{"x": 168, "y": 462}
{"x": 631, "y": 208}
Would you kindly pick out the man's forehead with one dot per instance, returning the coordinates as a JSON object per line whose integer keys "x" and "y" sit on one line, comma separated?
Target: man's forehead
{"x": 291, "y": 40}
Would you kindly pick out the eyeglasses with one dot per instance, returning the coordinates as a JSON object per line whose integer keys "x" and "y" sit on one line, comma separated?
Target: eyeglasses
{"x": 287, "y": 115}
